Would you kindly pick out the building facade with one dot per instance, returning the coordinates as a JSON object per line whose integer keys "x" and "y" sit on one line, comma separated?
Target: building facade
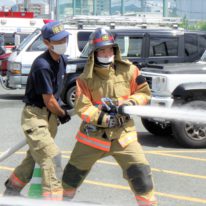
{"x": 192, "y": 10}
{"x": 101, "y": 7}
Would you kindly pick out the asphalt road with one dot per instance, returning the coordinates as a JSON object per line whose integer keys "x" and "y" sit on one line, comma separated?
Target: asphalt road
{"x": 179, "y": 173}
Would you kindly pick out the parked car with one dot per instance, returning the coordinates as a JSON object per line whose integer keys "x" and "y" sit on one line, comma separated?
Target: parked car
{"x": 142, "y": 46}
{"x": 20, "y": 61}
{"x": 7, "y": 46}
{"x": 3, "y": 63}
{"x": 176, "y": 85}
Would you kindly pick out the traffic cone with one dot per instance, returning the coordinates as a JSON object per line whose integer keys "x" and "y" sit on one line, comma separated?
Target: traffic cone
{"x": 35, "y": 190}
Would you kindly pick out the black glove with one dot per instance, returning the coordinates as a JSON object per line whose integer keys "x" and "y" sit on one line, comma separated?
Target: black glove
{"x": 65, "y": 118}
{"x": 121, "y": 109}
{"x": 117, "y": 120}
{"x": 109, "y": 109}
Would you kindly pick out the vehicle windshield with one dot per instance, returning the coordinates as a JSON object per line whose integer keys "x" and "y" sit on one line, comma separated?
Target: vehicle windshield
{"x": 28, "y": 39}
{"x": 203, "y": 57}
{"x": 85, "y": 51}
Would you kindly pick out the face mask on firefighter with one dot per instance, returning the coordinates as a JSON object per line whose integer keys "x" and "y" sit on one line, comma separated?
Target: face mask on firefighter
{"x": 106, "y": 60}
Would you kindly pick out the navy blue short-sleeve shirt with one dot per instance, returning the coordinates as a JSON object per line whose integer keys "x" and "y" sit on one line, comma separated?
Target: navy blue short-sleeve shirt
{"x": 45, "y": 77}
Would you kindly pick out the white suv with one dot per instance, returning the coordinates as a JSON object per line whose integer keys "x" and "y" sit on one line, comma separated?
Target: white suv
{"x": 176, "y": 85}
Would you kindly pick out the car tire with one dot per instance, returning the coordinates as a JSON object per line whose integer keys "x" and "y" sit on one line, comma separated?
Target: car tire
{"x": 157, "y": 128}
{"x": 70, "y": 97}
{"x": 189, "y": 134}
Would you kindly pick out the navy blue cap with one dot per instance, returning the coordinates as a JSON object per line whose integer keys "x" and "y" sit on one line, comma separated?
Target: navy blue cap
{"x": 54, "y": 31}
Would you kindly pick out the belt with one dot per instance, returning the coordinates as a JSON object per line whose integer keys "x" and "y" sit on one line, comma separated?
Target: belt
{"x": 33, "y": 105}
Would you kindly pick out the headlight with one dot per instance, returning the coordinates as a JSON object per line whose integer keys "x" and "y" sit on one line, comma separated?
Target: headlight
{"x": 159, "y": 83}
{"x": 71, "y": 68}
{"x": 14, "y": 67}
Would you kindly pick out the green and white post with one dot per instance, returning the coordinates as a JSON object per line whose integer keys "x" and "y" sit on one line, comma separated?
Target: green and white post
{"x": 35, "y": 190}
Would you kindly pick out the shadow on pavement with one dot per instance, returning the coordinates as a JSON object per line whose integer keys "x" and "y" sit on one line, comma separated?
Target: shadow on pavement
{"x": 150, "y": 140}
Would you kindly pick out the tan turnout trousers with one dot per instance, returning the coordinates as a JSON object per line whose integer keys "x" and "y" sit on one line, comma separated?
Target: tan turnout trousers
{"x": 40, "y": 128}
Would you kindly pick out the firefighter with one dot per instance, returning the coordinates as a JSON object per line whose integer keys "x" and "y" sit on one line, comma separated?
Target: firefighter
{"x": 102, "y": 132}
{"x": 41, "y": 114}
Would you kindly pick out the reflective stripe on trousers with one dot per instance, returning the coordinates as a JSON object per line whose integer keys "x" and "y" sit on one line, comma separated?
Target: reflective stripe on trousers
{"x": 16, "y": 182}
{"x": 54, "y": 195}
{"x": 144, "y": 201}
{"x": 93, "y": 142}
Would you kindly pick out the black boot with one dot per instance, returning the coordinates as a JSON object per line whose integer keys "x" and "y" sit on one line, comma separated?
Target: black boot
{"x": 11, "y": 190}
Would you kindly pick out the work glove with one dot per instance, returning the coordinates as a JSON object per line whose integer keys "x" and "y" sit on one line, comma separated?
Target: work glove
{"x": 117, "y": 120}
{"x": 109, "y": 109}
{"x": 65, "y": 118}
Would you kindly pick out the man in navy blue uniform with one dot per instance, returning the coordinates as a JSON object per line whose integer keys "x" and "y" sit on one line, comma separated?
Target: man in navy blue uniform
{"x": 41, "y": 115}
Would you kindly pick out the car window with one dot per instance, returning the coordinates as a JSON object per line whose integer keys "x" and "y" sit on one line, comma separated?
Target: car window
{"x": 130, "y": 46}
{"x": 202, "y": 43}
{"x": 203, "y": 57}
{"x": 1, "y": 40}
{"x": 135, "y": 47}
{"x": 123, "y": 42}
{"x": 9, "y": 38}
{"x": 85, "y": 51}
{"x": 190, "y": 45}
{"x": 26, "y": 40}
{"x": 164, "y": 46}
{"x": 38, "y": 45}
{"x": 82, "y": 38}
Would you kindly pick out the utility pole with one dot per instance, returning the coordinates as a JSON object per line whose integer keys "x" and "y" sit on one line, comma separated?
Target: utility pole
{"x": 165, "y": 8}
{"x": 80, "y": 2}
{"x": 110, "y": 7}
{"x": 94, "y": 7}
{"x": 26, "y": 5}
{"x": 53, "y": 8}
{"x": 74, "y": 7}
{"x": 122, "y": 7}
{"x": 143, "y": 4}
{"x": 57, "y": 9}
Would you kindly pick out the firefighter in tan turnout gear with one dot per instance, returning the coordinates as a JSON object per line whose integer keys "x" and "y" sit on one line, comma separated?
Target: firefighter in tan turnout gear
{"x": 105, "y": 131}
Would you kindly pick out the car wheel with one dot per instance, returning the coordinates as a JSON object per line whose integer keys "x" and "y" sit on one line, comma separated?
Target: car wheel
{"x": 189, "y": 134}
{"x": 70, "y": 97}
{"x": 157, "y": 128}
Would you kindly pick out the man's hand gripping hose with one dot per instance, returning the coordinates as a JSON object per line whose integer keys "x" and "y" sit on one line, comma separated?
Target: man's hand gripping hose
{"x": 115, "y": 118}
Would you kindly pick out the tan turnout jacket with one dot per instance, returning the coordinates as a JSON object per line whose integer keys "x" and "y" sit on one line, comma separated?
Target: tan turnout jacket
{"x": 118, "y": 82}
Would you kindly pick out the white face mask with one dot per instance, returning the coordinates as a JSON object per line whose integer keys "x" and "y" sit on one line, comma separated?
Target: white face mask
{"x": 60, "y": 48}
{"x": 106, "y": 60}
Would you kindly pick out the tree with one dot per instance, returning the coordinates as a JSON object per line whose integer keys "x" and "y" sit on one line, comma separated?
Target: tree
{"x": 200, "y": 25}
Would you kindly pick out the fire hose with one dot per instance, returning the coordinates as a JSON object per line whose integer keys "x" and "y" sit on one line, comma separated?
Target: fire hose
{"x": 176, "y": 114}
{"x": 21, "y": 144}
